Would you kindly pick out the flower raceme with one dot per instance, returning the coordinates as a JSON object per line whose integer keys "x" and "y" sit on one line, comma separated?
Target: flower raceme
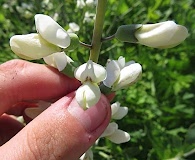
{"x": 50, "y": 40}
{"x": 90, "y": 74}
{"x": 120, "y": 74}
{"x": 166, "y": 34}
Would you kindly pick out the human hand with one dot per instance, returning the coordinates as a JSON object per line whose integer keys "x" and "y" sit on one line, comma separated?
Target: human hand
{"x": 63, "y": 131}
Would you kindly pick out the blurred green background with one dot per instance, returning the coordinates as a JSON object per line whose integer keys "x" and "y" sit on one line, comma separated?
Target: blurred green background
{"x": 162, "y": 104}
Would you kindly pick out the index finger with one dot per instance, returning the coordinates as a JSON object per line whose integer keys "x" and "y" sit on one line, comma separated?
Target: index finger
{"x": 22, "y": 81}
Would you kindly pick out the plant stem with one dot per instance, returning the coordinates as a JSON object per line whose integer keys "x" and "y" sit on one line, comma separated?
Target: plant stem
{"x": 108, "y": 38}
{"x": 85, "y": 45}
{"x": 98, "y": 29}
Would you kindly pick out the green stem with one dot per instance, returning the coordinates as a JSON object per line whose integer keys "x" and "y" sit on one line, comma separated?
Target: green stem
{"x": 98, "y": 29}
{"x": 85, "y": 45}
{"x": 108, "y": 38}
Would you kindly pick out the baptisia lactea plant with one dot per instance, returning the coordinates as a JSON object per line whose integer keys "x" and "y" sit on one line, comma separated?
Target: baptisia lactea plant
{"x": 51, "y": 43}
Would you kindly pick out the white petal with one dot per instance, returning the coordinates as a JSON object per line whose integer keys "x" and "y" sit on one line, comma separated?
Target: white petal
{"x": 88, "y": 94}
{"x": 155, "y": 35}
{"x": 31, "y": 46}
{"x": 114, "y": 107}
{"x": 121, "y": 62}
{"x": 119, "y": 136}
{"x": 112, "y": 127}
{"x": 90, "y": 71}
{"x": 128, "y": 75}
{"x": 181, "y": 33}
{"x": 113, "y": 72}
{"x": 57, "y": 60}
{"x": 122, "y": 111}
{"x": 51, "y": 31}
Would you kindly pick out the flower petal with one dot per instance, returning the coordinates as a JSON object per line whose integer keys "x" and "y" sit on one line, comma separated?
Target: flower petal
{"x": 51, "y": 31}
{"x": 57, "y": 60}
{"x": 121, "y": 112}
{"x": 114, "y": 107}
{"x": 111, "y": 128}
{"x": 119, "y": 136}
{"x": 113, "y": 72}
{"x": 31, "y": 46}
{"x": 88, "y": 94}
{"x": 121, "y": 62}
{"x": 90, "y": 71}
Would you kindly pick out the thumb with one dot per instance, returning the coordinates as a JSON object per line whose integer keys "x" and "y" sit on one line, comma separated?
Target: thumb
{"x": 63, "y": 131}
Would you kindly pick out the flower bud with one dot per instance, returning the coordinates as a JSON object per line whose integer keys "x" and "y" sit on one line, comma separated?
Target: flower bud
{"x": 31, "y": 46}
{"x": 90, "y": 71}
{"x": 57, "y": 60}
{"x": 161, "y": 35}
{"x": 128, "y": 76}
{"x": 51, "y": 31}
{"x": 88, "y": 94}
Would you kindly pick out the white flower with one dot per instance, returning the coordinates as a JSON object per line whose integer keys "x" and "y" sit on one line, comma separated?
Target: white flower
{"x": 91, "y": 3}
{"x": 89, "y": 17}
{"x": 90, "y": 71}
{"x": 118, "y": 112}
{"x": 161, "y": 35}
{"x": 90, "y": 74}
{"x": 51, "y": 39}
{"x": 73, "y": 27}
{"x": 80, "y": 4}
{"x": 121, "y": 74}
{"x": 115, "y": 135}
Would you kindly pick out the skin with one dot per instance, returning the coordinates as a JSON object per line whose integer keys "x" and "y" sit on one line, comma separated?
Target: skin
{"x": 64, "y": 131}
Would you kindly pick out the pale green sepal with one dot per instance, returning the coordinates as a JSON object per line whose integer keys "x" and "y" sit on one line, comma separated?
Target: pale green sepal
{"x": 104, "y": 89}
{"x": 74, "y": 42}
{"x": 126, "y": 33}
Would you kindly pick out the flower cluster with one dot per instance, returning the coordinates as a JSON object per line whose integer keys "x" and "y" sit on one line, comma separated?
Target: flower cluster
{"x": 51, "y": 41}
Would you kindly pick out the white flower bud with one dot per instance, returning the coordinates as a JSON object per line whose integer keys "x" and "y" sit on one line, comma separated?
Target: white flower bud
{"x": 121, "y": 74}
{"x": 161, "y": 35}
{"x": 31, "y": 46}
{"x": 128, "y": 76}
{"x": 51, "y": 31}
{"x": 57, "y": 60}
{"x": 88, "y": 94}
{"x": 90, "y": 71}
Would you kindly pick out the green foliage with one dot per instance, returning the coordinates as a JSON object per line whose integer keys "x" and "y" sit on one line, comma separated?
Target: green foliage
{"x": 161, "y": 104}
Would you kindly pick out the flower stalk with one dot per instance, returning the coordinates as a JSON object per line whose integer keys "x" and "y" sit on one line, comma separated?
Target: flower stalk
{"x": 98, "y": 29}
